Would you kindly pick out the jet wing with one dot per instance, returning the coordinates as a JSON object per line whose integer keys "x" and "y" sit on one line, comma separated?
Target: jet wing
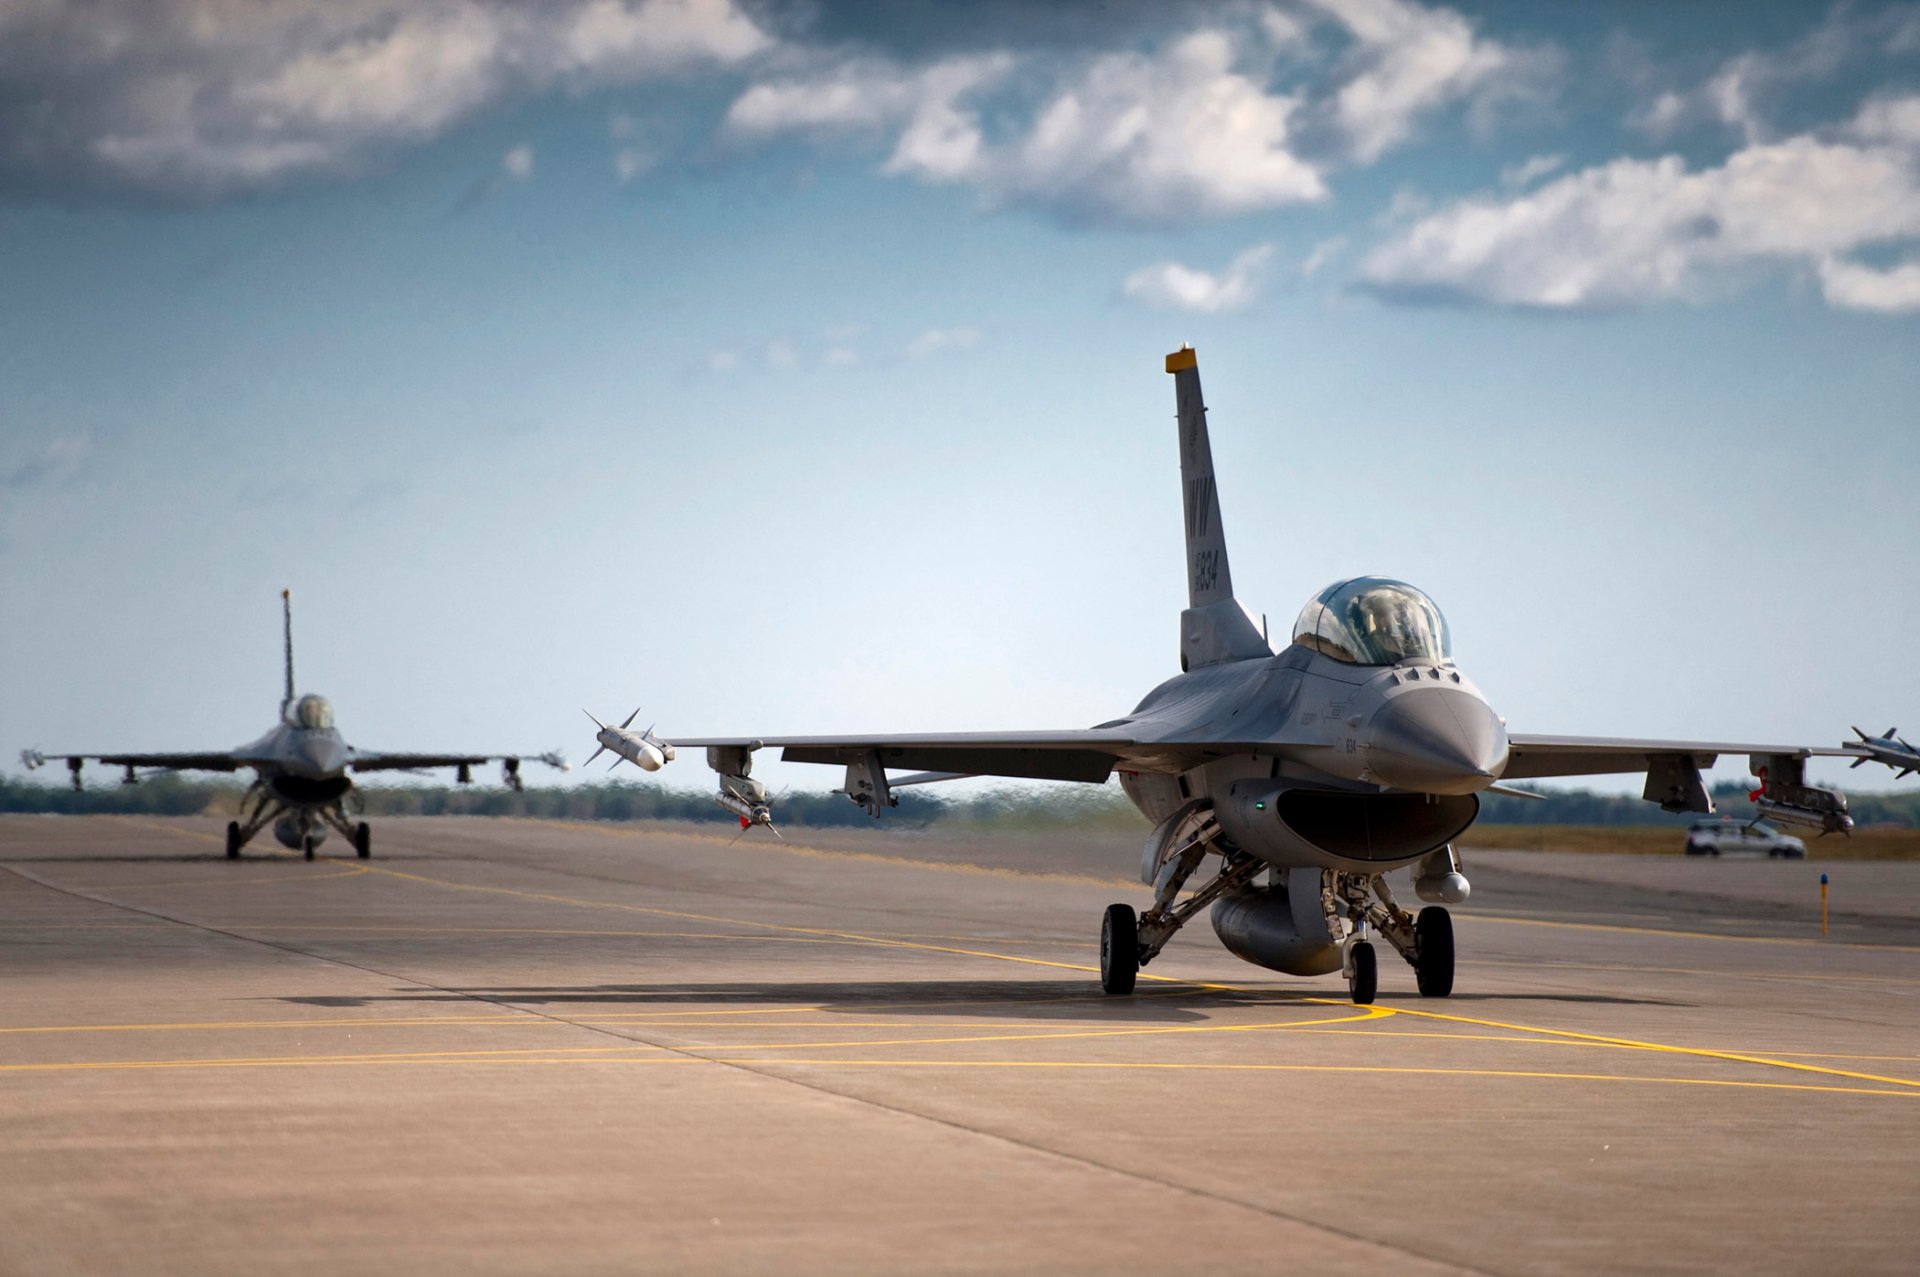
{"x": 1535, "y": 757}
{"x": 221, "y": 762}
{"x": 378, "y": 761}
{"x": 1089, "y": 755}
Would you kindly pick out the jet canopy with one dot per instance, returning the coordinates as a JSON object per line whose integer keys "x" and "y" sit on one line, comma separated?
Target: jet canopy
{"x": 1371, "y": 620}
{"x": 312, "y": 712}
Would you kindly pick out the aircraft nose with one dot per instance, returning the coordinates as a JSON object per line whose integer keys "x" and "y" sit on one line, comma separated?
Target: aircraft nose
{"x": 318, "y": 757}
{"x": 1436, "y": 740}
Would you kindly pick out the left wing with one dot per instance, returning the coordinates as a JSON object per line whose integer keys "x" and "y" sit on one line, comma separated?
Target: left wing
{"x": 377, "y": 761}
{"x": 1534, "y": 757}
{"x": 1089, "y": 755}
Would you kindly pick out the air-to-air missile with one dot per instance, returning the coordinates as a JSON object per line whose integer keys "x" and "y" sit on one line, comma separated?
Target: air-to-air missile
{"x": 643, "y": 749}
{"x": 1888, "y": 749}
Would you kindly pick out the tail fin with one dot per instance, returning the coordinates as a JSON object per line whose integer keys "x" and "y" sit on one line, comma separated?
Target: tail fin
{"x": 286, "y": 613}
{"x": 1215, "y": 628}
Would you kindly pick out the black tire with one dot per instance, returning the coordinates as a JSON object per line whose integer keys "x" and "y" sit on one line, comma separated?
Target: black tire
{"x": 1433, "y": 942}
{"x": 362, "y": 840}
{"x": 308, "y": 844}
{"x": 1119, "y": 949}
{"x": 233, "y": 840}
{"x": 1363, "y": 982}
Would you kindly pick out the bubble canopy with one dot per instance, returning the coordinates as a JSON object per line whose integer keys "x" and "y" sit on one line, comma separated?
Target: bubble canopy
{"x": 312, "y": 712}
{"x": 1371, "y": 620}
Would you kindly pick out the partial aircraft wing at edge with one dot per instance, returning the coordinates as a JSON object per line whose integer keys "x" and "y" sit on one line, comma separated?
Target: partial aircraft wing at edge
{"x": 376, "y": 761}
{"x": 1089, "y": 755}
{"x": 222, "y": 762}
{"x": 1538, "y": 757}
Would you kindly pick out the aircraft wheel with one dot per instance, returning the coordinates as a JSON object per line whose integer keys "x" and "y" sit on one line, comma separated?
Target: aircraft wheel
{"x": 1363, "y": 981}
{"x": 363, "y": 840}
{"x": 1433, "y": 941}
{"x": 308, "y": 844}
{"x": 1119, "y": 949}
{"x": 233, "y": 840}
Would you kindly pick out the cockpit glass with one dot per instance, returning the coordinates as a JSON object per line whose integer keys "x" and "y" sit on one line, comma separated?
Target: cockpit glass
{"x": 1371, "y": 620}
{"x": 312, "y": 712}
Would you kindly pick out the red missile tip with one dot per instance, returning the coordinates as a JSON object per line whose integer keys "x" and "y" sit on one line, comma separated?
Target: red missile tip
{"x": 744, "y": 822}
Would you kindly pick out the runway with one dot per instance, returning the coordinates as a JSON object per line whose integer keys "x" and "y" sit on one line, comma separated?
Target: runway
{"x": 518, "y": 1046}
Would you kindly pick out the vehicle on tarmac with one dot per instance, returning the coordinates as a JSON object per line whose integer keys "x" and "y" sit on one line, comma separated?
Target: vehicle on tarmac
{"x": 1730, "y": 837}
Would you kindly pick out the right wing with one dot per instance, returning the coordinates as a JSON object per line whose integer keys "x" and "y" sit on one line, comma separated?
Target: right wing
{"x": 221, "y": 762}
{"x": 1537, "y": 757}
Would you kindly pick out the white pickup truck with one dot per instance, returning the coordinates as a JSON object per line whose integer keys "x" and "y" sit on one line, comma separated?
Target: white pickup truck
{"x": 1726, "y": 837}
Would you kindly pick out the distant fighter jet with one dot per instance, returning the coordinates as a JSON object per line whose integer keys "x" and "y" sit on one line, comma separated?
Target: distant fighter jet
{"x": 301, "y": 769}
{"x": 1304, "y": 775}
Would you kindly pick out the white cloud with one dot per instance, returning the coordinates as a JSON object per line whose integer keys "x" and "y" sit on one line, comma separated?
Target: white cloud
{"x": 517, "y": 164}
{"x": 723, "y": 361}
{"x": 1526, "y": 173}
{"x": 840, "y": 357}
{"x": 1850, "y": 286}
{"x": 935, "y": 340}
{"x": 201, "y": 99}
{"x": 1636, "y": 231}
{"x": 1323, "y": 252}
{"x": 1413, "y": 60}
{"x": 1175, "y": 286}
{"x": 781, "y": 354}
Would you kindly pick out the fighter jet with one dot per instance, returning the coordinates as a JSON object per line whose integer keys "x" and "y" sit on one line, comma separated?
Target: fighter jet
{"x": 301, "y": 770}
{"x": 1297, "y": 779}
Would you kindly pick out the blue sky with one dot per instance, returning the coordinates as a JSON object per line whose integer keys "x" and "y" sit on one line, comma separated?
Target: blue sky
{"x": 797, "y": 368}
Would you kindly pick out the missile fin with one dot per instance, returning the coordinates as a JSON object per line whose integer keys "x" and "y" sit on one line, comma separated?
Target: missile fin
{"x": 603, "y": 727}
{"x": 630, "y": 718}
{"x": 603, "y": 749}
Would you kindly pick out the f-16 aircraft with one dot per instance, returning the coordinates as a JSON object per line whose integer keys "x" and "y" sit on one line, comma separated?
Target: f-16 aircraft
{"x": 1301, "y": 777}
{"x": 301, "y": 769}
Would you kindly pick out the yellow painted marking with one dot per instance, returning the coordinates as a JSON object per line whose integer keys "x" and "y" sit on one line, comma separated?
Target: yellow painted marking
{"x": 628, "y": 1056}
{"x": 1802, "y": 942}
{"x": 1047, "y": 1035}
{"x": 1662, "y": 1048}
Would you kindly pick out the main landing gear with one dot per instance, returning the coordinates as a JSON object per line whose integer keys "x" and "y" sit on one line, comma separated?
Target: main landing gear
{"x": 1355, "y": 907}
{"x": 362, "y": 841}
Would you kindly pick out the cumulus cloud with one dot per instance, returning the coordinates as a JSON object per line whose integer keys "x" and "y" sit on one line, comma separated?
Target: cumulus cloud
{"x": 1176, "y": 286}
{"x": 1632, "y": 231}
{"x": 1128, "y": 136}
{"x": 1202, "y": 125}
{"x": 1851, "y": 286}
{"x": 203, "y": 99}
{"x": 1411, "y": 60}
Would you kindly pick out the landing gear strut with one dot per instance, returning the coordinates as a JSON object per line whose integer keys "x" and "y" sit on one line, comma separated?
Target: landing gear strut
{"x": 362, "y": 840}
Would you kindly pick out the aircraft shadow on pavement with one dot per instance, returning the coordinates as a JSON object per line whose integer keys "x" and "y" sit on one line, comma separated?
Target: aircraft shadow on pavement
{"x": 1062, "y": 1000}
{"x": 1074, "y": 1001}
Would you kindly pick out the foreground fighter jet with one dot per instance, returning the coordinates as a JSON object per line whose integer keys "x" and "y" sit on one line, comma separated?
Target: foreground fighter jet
{"x": 1303, "y": 777}
{"x": 301, "y": 770}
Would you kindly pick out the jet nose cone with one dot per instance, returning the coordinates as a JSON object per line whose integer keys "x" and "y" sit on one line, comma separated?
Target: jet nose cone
{"x": 1436, "y": 740}
{"x": 318, "y": 757}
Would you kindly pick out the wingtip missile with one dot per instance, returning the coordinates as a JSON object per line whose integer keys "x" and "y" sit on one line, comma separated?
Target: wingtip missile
{"x": 643, "y": 749}
{"x": 1888, "y": 750}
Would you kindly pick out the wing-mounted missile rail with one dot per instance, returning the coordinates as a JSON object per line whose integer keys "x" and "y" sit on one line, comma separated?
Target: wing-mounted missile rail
{"x": 1785, "y": 796}
{"x": 739, "y": 792}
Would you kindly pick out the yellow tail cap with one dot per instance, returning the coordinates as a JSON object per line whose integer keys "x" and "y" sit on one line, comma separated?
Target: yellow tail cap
{"x": 1182, "y": 358}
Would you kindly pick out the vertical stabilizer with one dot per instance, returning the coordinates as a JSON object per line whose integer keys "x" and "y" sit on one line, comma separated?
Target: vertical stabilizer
{"x": 1215, "y": 628}
{"x": 286, "y": 616}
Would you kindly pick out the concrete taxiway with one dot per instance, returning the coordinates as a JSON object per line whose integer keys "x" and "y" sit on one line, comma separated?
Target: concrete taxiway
{"x": 516, "y": 1046}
